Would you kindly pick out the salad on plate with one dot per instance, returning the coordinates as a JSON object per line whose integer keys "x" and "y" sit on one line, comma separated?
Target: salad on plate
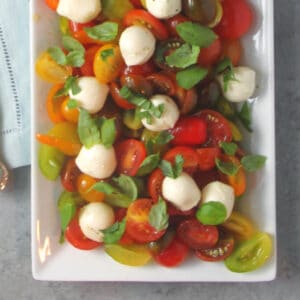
{"x": 148, "y": 105}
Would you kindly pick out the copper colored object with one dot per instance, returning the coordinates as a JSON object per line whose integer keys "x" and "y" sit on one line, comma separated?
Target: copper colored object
{"x": 3, "y": 176}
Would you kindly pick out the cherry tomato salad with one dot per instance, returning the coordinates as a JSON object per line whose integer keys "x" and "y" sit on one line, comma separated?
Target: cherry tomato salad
{"x": 147, "y": 101}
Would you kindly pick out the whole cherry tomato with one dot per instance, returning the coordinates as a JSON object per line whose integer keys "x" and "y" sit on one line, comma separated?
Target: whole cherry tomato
{"x": 70, "y": 114}
{"x": 173, "y": 22}
{"x": 210, "y": 55}
{"x": 87, "y": 69}
{"x": 53, "y": 104}
{"x": 233, "y": 50}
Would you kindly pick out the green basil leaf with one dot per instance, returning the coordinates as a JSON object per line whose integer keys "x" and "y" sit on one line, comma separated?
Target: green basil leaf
{"x": 105, "y": 54}
{"x": 190, "y": 77}
{"x": 196, "y": 34}
{"x": 178, "y": 166}
{"x": 158, "y": 216}
{"x": 149, "y": 164}
{"x": 75, "y": 58}
{"x": 212, "y": 213}
{"x": 224, "y": 65}
{"x": 167, "y": 168}
{"x": 183, "y": 57}
{"x": 105, "y": 32}
{"x": 252, "y": 163}
{"x": 70, "y": 84}
{"x": 114, "y": 233}
{"x": 88, "y": 131}
{"x": 229, "y": 148}
{"x": 72, "y": 44}
{"x": 58, "y": 55}
{"x": 163, "y": 138}
{"x": 127, "y": 186}
{"x": 104, "y": 187}
{"x": 72, "y": 104}
{"x": 108, "y": 132}
{"x": 245, "y": 116}
{"x": 228, "y": 168}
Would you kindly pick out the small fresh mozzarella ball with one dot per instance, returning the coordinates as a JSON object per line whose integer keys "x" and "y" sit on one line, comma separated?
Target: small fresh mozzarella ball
{"x": 98, "y": 161}
{"x": 137, "y": 45}
{"x": 242, "y": 87}
{"x": 182, "y": 191}
{"x": 95, "y": 217}
{"x": 81, "y": 11}
{"x": 93, "y": 94}
{"x": 219, "y": 192}
{"x": 164, "y": 9}
{"x": 169, "y": 116}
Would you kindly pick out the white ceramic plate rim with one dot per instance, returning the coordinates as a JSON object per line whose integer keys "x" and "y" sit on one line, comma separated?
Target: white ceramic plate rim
{"x": 50, "y": 261}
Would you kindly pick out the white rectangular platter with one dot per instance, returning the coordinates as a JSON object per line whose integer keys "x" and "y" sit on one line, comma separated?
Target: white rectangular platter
{"x": 52, "y": 261}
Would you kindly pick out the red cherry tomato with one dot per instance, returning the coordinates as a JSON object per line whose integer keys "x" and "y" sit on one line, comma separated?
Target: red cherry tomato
{"x": 138, "y": 84}
{"x": 189, "y": 155}
{"x": 69, "y": 175}
{"x": 130, "y": 154}
{"x": 203, "y": 178}
{"x": 115, "y": 93}
{"x": 120, "y": 214}
{"x": 207, "y": 158}
{"x": 173, "y": 211}
{"x": 236, "y": 20}
{"x": 78, "y": 33}
{"x": 137, "y": 222}
{"x": 210, "y": 55}
{"x": 144, "y": 69}
{"x": 88, "y": 68}
{"x": 162, "y": 84}
{"x": 173, "y": 22}
{"x": 76, "y": 238}
{"x": 220, "y": 251}
{"x": 142, "y": 17}
{"x": 196, "y": 235}
{"x": 189, "y": 131}
{"x": 155, "y": 184}
{"x": 232, "y": 49}
{"x": 173, "y": 255}
{"x": 52, "y": 4}
{"x": 218, "y": 128}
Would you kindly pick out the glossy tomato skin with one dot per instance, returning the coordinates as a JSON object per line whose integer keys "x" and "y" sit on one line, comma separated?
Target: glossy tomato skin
{"x": 162, "y": 84}
{"x": 120, "y": 101}
{"x": 88, "y": 69}
{"x": 173, "y": 255}
{"x": 155, "y": 184}
{"x": 189, "y": 131}
{"x": 144, "y": 69}
{"x": 137, "y": 222}
{"x": 78, "y": 32}
{"x": 76, "y": 238}
{"x": 218, "y": 128}
{"x": 196, "y": 235}
{"x": 236, "y": 20}
{"x": 233, "y": 50}
{"x": 171, "y": 24}
{"x": 130, "y": 154}
{"x": 210, "y": 55}
{"x": 69, "y": 175}
{"x": 207, "y": 157}
{"x": 53, "y": 4}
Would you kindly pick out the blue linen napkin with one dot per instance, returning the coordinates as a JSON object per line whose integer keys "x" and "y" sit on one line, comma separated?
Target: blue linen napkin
{"x": 14, "y": 83}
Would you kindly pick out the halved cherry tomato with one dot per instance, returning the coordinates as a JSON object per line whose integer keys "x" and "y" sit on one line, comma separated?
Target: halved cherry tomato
{"x": 76, "y": 238}
{"x": 237, "y": 19}
{"x": 203, "y": 178}
{"x": 210, "y": 55}
{"x": 137, "y": 222}
{"x": 87, "y": 69}
{"x": 189, "y": 155}
{"x": 138, "y": 84}
{"x": 189, "y": 131}
{"x": 173, "y": 22}
{"x": 69, "y": 175}
{"x": 162, "y": 84}
{"x": 130, "y": 154}
{"x": 115, "y": 93}
{"x": 53, "y": 104}
{"x": 207, "y": 158}
{"x": 108, "y": 63}
{"x": 217, "y": 127}
{"x": 155, "y": 184}
{"x": 196, "y": 235}
{"x": 232, "y": 49}
{"x": 120, "y": 214}
{"x": 173, "y": 255}
{"x": 70, "y": 114}
{"x": 142, "y": 17}
{"x": 144, "y": 69}
{"x": 83, "y": 185}
{"x": 53, "y": 4}
{"x": 220, "y": 251}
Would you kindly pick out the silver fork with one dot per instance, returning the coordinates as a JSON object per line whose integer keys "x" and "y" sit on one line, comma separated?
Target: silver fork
{"x": 3, "y": 176}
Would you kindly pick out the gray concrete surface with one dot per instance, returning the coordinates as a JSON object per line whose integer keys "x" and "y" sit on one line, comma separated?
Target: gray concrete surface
{"x": 15, "y": 265}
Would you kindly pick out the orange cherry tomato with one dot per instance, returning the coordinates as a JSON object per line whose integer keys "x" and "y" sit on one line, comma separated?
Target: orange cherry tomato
{"x": 207, "y": 158}
{"x": 232, "y": 49}
{"x": 108, "y": 63}
{"x": 70, "y": 114}
{"x": 210, "y": 55}
{"x": 137, "y": 222}
{"x": 53, "y": 104}
{"x": 84, "y": 183}
{"x": 52, "y": 4}
{"x": 88, "y": 67}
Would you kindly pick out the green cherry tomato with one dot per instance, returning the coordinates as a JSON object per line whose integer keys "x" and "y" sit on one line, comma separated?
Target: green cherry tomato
{"x": 51, "y": 161}
{"x": 132, "y": 120}
{"x": 251, "y": 254}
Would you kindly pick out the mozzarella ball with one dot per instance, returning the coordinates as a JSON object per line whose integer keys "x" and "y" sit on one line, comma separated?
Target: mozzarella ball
{"x": 169, "y": 116}
{"x": 219, "y": 192}
{"x": 98, "y": 161}
{"x": 93, "y": 94}
{"x": 137, "y": 45}
{"x": 95, "y": 217}
{"x": 81, "y": 11}
{"x": 164, "y": 9}
{"x": 242, "y": 87}
{"x": 182, "y": 191}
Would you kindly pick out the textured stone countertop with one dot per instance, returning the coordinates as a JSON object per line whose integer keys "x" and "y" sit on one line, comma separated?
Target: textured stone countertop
{"x": 15, "y": 262}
